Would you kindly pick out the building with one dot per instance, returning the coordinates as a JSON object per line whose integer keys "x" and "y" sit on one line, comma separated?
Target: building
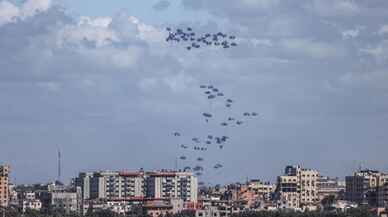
{"x": 112, "y": 185}
{"x": 208, "y": 212}
{"x": 66, "y": 201}
{"x": 164, "y": 184}
{"x": 33, "y": 204}
{"x": 298, "y": 188}
{"x": 4, "y": 185}
{"x": 328, "y": 186}
{"x": 156, "y": 208}
{"x": 383, "y": 196}
{"x": 263, "y": 190}
{"x": 363, "y": 187}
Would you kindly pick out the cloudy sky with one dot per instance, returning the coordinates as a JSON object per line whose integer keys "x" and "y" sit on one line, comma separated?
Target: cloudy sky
{"x": 97, "y": 79}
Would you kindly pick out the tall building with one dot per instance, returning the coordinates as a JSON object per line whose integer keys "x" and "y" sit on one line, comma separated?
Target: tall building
{"x": 111, "y": 185}
{"x": 138, "y": 185}
{"x": 298, "y": 187}
{"x": 181, "y": 185}
{"x": 4, "y": 185}
{"x": 363, "y": 186}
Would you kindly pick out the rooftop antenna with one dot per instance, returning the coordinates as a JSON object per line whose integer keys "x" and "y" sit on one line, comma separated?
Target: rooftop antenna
{"x": 176, "y": 164}
{"x": 59, "y": 165}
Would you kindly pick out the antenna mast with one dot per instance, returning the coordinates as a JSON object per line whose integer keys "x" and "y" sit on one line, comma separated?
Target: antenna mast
{"x": 59, "y": 165}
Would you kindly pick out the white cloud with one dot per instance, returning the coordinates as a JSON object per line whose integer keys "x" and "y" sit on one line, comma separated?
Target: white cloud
{"x": 260, "y": 3}
{"x": 85, "y": 32}
{"x": 96, "y": 22}
{"x": 119, "y": 66}
{"x": 383, "y": 30}
{"x": 350, "y": 33}
{"x": 379, "y": 52}
{"x": 8, "y": 12}
{"x": 32, "y": 7}
{"x": 311, "y": 48}
{"x": 332, "y": 8}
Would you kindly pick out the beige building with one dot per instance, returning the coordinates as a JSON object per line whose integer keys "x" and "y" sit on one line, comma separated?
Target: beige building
{"x": 298, "y": 187}
{"x": 164, "y": 184}
{"x": 111, "y": 185}
{"x": 263, "y": 189}
{"x": 4, "y": 185}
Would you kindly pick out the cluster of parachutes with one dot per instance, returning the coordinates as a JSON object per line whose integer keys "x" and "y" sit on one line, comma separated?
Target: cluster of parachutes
{"x": 214, "y": 120}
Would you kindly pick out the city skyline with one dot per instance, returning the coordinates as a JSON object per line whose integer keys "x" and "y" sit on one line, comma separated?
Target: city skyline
{"x": 99, "y": 81}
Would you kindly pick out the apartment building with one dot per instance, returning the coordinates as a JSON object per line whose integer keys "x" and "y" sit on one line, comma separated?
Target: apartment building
{"x": 67, "y": 201}
{"x": 298, "y": 187}
{"x": 4, "y": 185}
{"x": 164, "y": 184}
{"x": 113, "y": 185}
{"x": 363, "y": 187}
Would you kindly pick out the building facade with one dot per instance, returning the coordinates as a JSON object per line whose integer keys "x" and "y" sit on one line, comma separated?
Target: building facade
{"x": 111, "y": 185}
{"x": 66, "y": 201}
{"x": 163, "y": 185}
{"x": 328, "y": 186}
{"x": 137, "y": 185}
{"x": 264, "y": 190}
{"x": 298, "y": 187}
{"x": 4, "y": 185}
{"x": 363, "y": 187}
{"x": 383, "y": 196}
{"x": 32, "y": 204}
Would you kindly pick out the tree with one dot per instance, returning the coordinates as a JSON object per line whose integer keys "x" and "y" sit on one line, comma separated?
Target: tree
{"x": 327, "y": 202}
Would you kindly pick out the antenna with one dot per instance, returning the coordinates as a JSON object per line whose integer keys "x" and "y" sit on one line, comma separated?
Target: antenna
{"x": 59, "y": 164}
{"x": 176, "y": 164}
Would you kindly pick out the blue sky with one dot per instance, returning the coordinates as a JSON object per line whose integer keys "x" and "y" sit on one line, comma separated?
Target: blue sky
{"x": 141, "y": 9}
{"x": 99, "y": 80}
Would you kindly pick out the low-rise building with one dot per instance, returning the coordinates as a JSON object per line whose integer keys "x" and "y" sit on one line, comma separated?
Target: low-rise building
{"x": 208, "y": 212}
{"x": 33, "y": 204}
{"x": 66, "y": 201}
{"x": 156, "y": 208}
{"x": 328, "y": 186}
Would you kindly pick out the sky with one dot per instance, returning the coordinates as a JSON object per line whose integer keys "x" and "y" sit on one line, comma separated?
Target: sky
{"x": 97, "y": 80}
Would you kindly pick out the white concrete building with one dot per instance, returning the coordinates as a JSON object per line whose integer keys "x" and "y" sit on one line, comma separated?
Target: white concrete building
{"x": 111, "y": 185}
{"x": 138, "y": 185}
{"x": 183, "y": 185}
{"x": 31, "y": 204}
{"x": 67, "y": 201}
